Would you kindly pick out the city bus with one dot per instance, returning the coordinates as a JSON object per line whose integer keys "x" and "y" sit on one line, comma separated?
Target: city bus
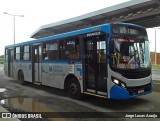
{"x": 111, "y": 60}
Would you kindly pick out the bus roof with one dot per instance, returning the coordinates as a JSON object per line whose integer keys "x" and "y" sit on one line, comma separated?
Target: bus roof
{"x": 58, "y": 36}
{"x": 72, "y": 33}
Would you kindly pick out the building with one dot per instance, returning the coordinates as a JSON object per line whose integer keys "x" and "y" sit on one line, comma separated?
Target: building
{"x": 152, "y": 55}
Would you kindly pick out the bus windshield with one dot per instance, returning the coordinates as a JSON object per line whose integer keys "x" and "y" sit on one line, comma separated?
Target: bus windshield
{"x": 129, "y": 53}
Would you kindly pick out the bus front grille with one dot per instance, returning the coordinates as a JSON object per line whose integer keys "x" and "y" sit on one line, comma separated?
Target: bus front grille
{"x": 134, "y": 73}
{"x": 137, "y": 74}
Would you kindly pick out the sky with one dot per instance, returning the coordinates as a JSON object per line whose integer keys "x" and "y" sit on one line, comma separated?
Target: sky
{"x": 41, "y": 12}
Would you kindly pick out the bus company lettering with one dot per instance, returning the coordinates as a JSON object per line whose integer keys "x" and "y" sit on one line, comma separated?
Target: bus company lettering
{"x": 57, "y": 69}
{"x": 23, "y": 66}
{"x": 93, "y": 34}
{"x": 71, "y": 68}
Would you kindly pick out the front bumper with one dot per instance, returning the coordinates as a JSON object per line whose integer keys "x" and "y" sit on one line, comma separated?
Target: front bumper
{"x": 117, "y": 92}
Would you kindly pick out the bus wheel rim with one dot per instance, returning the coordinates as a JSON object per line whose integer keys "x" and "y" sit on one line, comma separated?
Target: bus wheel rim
{"x": 73, "y": 88}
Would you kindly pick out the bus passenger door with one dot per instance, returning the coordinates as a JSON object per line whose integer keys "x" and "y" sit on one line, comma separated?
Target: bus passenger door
{"x": 95, "y": 65}
{"x": 37, "y": 56}
{"x": 10, "y": 62}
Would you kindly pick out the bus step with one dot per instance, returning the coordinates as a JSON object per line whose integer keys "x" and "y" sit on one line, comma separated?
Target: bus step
{"x": 37, "y": 83}
{"x": 101, "y": 96}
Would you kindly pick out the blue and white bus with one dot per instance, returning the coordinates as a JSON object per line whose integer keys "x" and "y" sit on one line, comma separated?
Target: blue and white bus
{"x": 109, "y": 60}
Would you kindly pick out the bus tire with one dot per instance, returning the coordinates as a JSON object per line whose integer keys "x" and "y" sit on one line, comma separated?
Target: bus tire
{"x": 21, "y": 78}
{"x": 74, "y": 89}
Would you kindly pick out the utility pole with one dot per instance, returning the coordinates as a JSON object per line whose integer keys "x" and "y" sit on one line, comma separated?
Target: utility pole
{"x": 13, "y": 23}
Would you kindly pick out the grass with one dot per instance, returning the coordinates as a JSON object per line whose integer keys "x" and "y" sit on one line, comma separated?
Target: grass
{"x": 155, "y": 67}
{"x": 1, "y": 60}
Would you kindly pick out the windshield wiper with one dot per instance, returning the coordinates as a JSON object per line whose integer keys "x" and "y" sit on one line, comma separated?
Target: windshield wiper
{"x": 141, "y": 52}
{"x": 138, "y": 62}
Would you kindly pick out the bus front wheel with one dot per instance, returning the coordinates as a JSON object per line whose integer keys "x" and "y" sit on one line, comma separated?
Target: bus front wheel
{"x": 21, "y": 78}
{"x": 74, "y": 89}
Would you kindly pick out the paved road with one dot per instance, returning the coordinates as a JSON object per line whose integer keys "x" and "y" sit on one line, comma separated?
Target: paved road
{"x": 156, "y": 75}
{"x": 45, "y": 98}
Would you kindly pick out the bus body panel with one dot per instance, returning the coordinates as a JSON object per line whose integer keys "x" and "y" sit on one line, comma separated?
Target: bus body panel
{"x": 6, "y": 68}
{"x": 123, "y": 94}
{"x": 37, "y": 72}
{"x": 54, "y": 73}
{"x": 11, "y": 69}
{"x": 45, "y": 74}
{"x": 25, "y": 67}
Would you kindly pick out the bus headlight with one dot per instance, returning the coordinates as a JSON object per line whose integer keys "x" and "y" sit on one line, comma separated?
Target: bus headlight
{"x": 116, "y": 81}
{"x": 123, "y": 85}
{"x": 119, "y": 83}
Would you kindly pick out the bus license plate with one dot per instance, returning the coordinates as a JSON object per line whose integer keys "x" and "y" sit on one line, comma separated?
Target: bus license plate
{"x": 140, "y": 91}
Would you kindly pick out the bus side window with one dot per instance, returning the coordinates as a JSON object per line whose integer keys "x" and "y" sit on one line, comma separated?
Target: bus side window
{"x": 36, "y": 56}
{"x": 50, "y": 51}
{"x": 26, "y": 52}
{"x": 101, "y": 51}
{"x": 62, "y": 49}
{"x": 77, "y": 49}
{"x": 17, "y": 53}
{"x": 73, "y": 49}
{"x": 46, "y": 56}
{"x": 6, "y": 54}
